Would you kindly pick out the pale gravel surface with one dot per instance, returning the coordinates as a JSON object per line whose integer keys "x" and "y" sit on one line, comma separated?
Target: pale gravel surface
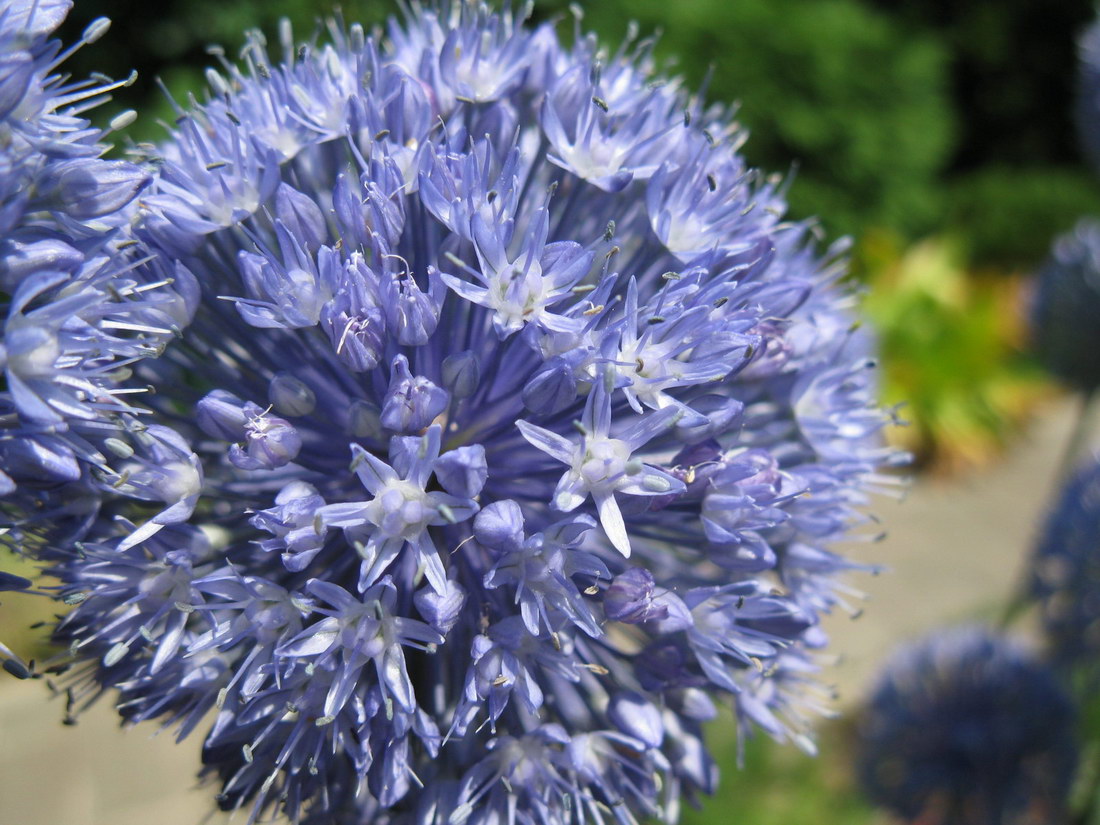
{"x": 954, "y": 551}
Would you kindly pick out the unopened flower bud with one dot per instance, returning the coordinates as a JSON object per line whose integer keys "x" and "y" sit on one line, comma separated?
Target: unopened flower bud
{"x": 90, "y": 188}
{"x": 289, "y": 396}
{"x": 221, "y": 414}
{"x": 461, "y": 373}
{"x": 635, "y": 716}
{"x": 301, "y": 216}
{"x": 441, "y": 610}
{"x": 500, "y": 525}
{"x": 270, "y": 442}
{"x": 411, "y": 403}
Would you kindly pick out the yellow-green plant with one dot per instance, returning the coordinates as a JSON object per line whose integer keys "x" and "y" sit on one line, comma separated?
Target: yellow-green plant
{"x": 950, "y": 343}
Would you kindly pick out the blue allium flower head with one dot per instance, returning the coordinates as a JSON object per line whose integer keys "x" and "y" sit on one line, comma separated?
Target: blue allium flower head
{"x": 1066, "y": 305}
{"x": 503, "y": 428}
{"x": 965, "y": 728}
{"x": 1065, "y": 571}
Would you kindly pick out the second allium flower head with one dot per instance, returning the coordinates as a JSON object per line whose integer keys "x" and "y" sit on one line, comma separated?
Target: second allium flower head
{"x": 507, "y": 427}
{"x": 1065, "y": 574}
{"x": 964, "y": 727}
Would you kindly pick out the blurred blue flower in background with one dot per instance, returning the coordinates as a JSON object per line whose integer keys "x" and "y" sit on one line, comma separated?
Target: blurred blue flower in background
{"x": 501, "y": 424}
{"x": 1088, "y": 94}
{"x": 1065, "y": 571}
{"x": 965, "y": 728}
{"x": 1065, "y": 307}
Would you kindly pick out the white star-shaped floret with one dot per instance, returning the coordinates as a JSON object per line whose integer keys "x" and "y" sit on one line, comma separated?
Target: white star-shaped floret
{"x": 601, "y": 465}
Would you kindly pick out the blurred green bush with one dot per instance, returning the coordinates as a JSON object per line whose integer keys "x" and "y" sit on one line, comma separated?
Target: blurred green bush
{"x": 1006, "y": 216}
{"x": 951, "y": 341}
{"x": 1013, "y": 68}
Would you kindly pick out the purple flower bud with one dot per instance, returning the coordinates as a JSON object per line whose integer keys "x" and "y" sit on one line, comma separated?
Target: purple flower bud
{"x": 364, "y": 420}
{"x": 695, "y": 704}
{"x": 390, "y": 784}
{"x": 664, "y": 665}
{"x": 20, "y": 258}
{"x": 16, "y": 72}
{"x": 441, "y": 610}
{"x": 357, "y": 331}
{"x": 463, "y": 471}
{"x": 290, "y": 396}
{"x": 412, "y": 313}
{"x": 633, "y": 597}
{"x": 40, "y": 458}
{"x": 411, "y": 403}
{"x": 270, "y": 442}
{"x": 293, "y": 523}
{"x": 461, "y": 373}
{"x": 31, "y": 351}
{"x": 500, "y": 525}
{"x": 630, "y": 598}
{"x": 92, "y": 188}
{"x": 347, "y": 205}
{"x": 301, "y": 216}
{"x": 636, "y": 716}
{"x": 281, "y": 296}
{"x": 221, "y": 414}
{"x": 551, "y": 390}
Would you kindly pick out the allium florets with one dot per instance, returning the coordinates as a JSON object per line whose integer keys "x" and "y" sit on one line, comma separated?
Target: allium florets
{"x": 501, "y": 424}
{"x": 1065, "y": 573}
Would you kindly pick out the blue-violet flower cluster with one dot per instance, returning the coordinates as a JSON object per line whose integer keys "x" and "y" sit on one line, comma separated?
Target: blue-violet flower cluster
{"x": 1066, "y": 304}
{"x": 965, "y": 728}
{"x": 1065, "y": 571}
{"x": 501, "y": 429}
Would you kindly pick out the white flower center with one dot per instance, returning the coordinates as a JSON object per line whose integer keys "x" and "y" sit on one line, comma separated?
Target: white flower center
{"x": 604, "y": 462}
{"x": 400, "y": 510}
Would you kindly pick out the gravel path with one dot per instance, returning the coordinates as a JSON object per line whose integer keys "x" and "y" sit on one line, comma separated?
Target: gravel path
{"x": 954, "y": 551}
